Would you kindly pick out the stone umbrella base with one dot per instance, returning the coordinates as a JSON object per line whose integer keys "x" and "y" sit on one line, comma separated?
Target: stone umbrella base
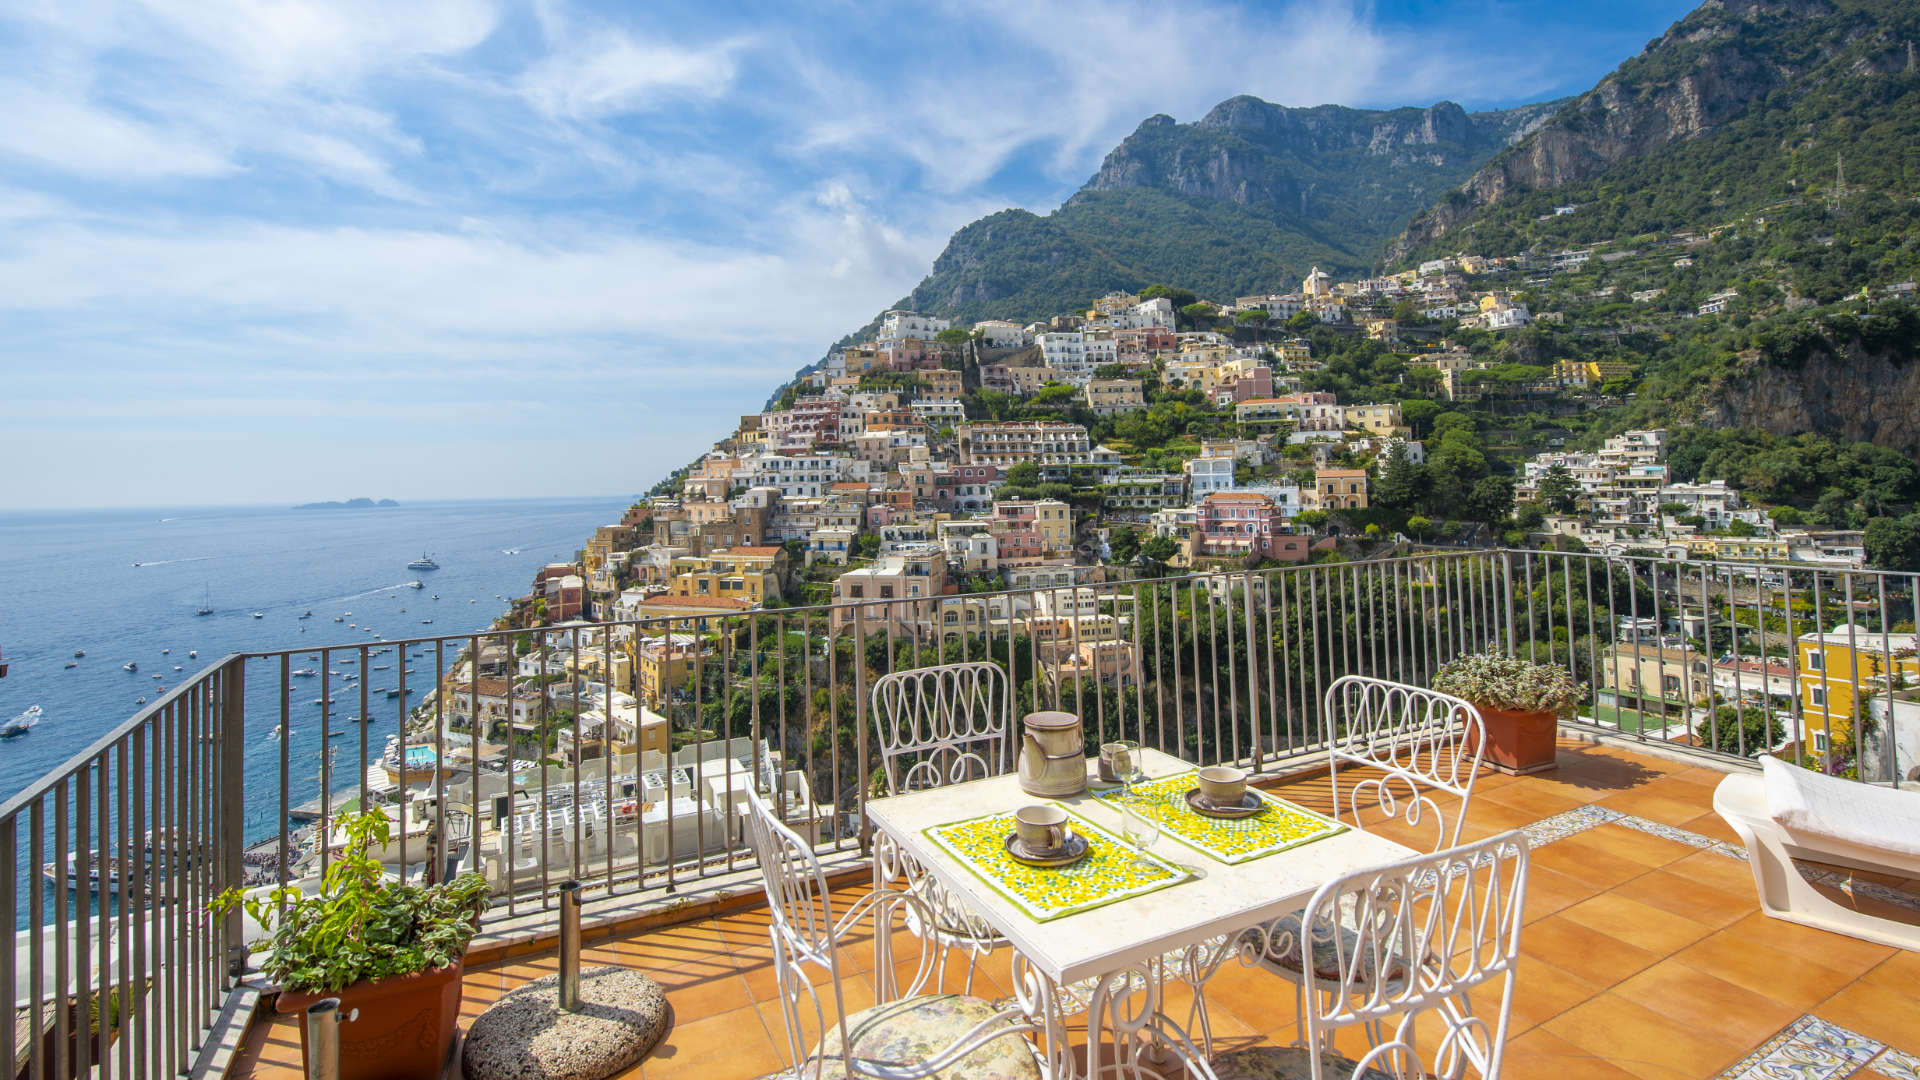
{"x": 525, "y": 1036}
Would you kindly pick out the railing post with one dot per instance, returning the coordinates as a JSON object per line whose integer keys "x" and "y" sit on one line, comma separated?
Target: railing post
{"x": 570, "y": 946}
{"x": 1506, "y": 572}
{"x": 233, "y": 774}
{"x": 323, "y": 1039}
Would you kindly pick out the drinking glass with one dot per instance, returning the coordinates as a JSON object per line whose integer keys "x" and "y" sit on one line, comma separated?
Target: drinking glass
{"x": 1140, "y": 827}
{"x": 1134, "y": 773}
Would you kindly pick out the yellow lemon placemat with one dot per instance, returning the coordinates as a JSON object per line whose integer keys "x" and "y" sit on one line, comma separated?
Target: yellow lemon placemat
{"x": 1109, "y": 872}
{"x": 1280, "y": 825}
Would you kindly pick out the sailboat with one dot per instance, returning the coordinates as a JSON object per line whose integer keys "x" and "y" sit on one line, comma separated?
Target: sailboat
{"x": 206, "y": 604}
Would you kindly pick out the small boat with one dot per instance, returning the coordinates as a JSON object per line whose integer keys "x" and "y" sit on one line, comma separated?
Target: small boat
{"x": 79, "y": 653}
{"x": 394, "y": 692}
{"x": 349, "y": 660}
{"x": 306, "y": 614}
{"x": 157, "y": 676}
{"x": 259, "y": 614}
{"x": 139, "y": 701}
{"x": 21, "y": 724}
{"x": 425, "y": 621}
{"x": 166, "y": 652}
{"x": 436, "y": 596}
{"x": 323, "y": 701}
{"x": 336, "y": 618}
{"x": 206, "y": 604}
{"x": 129, "y": 666}
{"x": 303, "y": 673}
{"x": 73, "y": 663}
{"x": 176, "y": 667}
{"x": 193, "y": 654}
{"x": 382, "y": 667}
{"x": 416, "y": 583}
{"x": 424, "y": 562}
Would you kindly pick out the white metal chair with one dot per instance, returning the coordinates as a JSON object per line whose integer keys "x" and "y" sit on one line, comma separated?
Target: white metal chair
{"x": 1459, "y": 912}
{"x": 908, "y": 1035}
{"x": 1414, "y": 743}
{"x": 937, "y": 726}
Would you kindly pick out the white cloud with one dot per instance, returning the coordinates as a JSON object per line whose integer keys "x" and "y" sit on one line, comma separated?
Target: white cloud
{"x": 75, "y": 136}
{"x": 604, "y": 72}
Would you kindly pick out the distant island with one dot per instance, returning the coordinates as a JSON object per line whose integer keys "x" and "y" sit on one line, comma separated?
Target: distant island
{"x": 350, "y": 504}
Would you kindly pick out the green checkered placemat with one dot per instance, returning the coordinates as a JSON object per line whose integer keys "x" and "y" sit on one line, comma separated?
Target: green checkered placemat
{"x": 1278, "y": 827}
{"x": 1109, "y": 872}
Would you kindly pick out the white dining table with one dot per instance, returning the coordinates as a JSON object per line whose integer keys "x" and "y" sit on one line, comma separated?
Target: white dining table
{"x": 1120, "y": 947}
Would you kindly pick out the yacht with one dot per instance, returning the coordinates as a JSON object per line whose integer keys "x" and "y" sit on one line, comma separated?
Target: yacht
{"x": 303, "y": 673}
{"x": 206, "y": 604}
{"x": 21, "y": 724}
{"x": 424, "y": 562}
{"x": 416, "y": 583}
{"x": 130, "y": 666}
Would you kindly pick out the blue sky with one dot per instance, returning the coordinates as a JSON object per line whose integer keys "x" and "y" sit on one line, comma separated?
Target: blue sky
{"x": 279, "y": 250}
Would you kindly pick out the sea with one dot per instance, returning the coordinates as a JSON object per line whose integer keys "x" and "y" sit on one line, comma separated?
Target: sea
{"x": 123, "y": 586}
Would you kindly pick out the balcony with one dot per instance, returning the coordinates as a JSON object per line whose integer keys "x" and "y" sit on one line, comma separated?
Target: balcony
{"x": 1645, "y": 951}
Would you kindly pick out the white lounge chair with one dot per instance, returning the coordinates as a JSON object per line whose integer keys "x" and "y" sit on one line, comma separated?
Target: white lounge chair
{"x": 1790, "y": 812}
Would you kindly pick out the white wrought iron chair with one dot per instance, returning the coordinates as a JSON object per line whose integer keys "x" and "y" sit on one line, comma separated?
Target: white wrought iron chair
{"x": 937, "y": 726}
{"x": 1459, "y": 911}
{"x": 1414, "y": 744}
{"x": 909, "y": 1034}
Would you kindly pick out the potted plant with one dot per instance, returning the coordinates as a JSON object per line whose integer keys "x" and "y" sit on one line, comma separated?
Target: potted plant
{"x": 1519, "y": 702}
{"x": 390, "y": 950}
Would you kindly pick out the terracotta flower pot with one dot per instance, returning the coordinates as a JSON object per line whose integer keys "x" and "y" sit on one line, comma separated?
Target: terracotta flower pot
{"x": 1519, "y": 742}
{"x": 405, "y": 1028}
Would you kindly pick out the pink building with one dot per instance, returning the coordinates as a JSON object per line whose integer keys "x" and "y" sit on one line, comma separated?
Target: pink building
{"x": 1257, "y": 383}
{"x": 1241, "y": 523}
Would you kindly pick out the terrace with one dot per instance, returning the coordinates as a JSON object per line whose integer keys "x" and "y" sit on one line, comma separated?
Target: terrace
{"x": 1643, "y": 949}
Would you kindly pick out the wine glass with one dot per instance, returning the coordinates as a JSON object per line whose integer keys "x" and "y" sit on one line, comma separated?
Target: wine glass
{"x": 1140, "y": 827}
{"x": 1134, "y": 773}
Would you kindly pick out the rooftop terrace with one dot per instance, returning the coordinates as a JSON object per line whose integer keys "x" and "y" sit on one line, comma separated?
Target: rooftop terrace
{"x": 1645, "y": 954}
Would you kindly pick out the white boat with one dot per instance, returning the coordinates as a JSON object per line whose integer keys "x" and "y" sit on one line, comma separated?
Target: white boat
{"x": 193, "y": 654}
{"x": 303, "y": 673}
{"x": 416, "y": 583}
{"x": 21, "y": 724}
{"x": 424, "y": 562}
{"x": 130, "y": 666}
{"x": 259, "y": 614}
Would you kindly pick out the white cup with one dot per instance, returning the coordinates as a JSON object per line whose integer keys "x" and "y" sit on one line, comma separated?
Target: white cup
{"x": 1041, "y": 828}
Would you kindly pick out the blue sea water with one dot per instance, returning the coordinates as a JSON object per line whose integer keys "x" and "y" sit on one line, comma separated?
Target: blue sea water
{"x": 123, "y": 585}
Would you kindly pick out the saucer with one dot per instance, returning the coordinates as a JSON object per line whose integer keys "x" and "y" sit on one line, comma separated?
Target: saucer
{"x": 1250, "y": 804}
{"x": 1067, "y": 854}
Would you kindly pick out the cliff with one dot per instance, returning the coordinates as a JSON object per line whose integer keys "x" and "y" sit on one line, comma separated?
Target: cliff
{"x": 1854, "y": 394}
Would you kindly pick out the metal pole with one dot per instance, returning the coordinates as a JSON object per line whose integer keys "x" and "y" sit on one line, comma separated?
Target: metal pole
{"x": 323, "y": 1039}
{"x": 570, "y": 946}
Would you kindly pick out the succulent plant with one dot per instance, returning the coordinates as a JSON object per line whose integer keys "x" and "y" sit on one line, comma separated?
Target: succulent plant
{"x": 1498, "y": 681}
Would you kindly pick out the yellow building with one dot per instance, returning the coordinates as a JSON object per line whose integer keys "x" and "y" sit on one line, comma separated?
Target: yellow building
{"x": 744, "y": 573}
{"x": 1590, "y": 372}
{"x": 1832, "y": 665}
{"x": 667, "y": 664}
{"x": 1738, "y": 548}
{"x": 1653, "y": 676}
{"x": 1374, "y": 419}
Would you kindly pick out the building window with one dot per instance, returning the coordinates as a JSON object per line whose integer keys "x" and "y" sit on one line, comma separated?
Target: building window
{"x": 1817, "y": 696}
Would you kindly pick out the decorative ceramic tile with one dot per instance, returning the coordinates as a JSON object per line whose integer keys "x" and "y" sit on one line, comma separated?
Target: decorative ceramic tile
{"x": 1278, "y": 826}
{"x": 1809, "y": 1049}
{"x": 1670, "y": 832}
{"x": 1108, "y": 872}
{"x": 1568, "y": 823}
{"x": 1896, "y": 1065}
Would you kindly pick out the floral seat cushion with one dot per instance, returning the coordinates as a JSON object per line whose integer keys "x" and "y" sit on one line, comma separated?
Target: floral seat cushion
{"x": 914, "y": 1029}
{"x": 1283, "y": 938}
{"x": 1289, "y": 1063}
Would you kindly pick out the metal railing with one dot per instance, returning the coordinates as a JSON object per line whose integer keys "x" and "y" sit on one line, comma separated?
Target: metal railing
{"x": 615, "y": 753}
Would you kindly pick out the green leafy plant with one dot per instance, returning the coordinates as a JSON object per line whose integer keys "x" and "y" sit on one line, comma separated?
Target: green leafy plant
{"x": 1497, "y": 681}
{"x": 361, "y": 926}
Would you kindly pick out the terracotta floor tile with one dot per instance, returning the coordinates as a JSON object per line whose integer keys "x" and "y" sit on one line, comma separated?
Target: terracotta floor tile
{"x": 1713, "y": 825}
{"x": 708, "y": 1039}
{"x": 1541, "y": 992}
{"x": 1846, "y": 954}
{"x": 1900, "y": 972}
{"x": 1532, "y": 799}
{"x": 1541, "y": 1055}
{"x": 1641, "y": 847}
{"x": 1258, "y": 997}
{"x": 1590, "y": 863}
{"x": 1682, "y": 895}
{"x": 1736, "y": 1013}
{"x": 1719, "y": 871}
{"x": 1659, "y": 932}
{"x": 709, "y": 997}
{"x": 1549, "y": 891}
{"x": 1643, "y": 1042}
{"x": 1781, "y": 976}
{"x": 1485, "y": 818}
{"x": 1593, "y": 955}
{"x": 1665, "y": 801}
{"x": 1876, "y": 1010}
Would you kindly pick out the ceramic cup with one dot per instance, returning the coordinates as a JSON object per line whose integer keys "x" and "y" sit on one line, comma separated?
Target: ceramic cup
{"x": 1223, "y": 785}
{"x": 1041, "y": 828}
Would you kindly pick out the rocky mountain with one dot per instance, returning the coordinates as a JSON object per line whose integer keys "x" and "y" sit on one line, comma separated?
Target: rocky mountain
{"x": 1741, "y": 103}
{"x": 1248, "y": 197}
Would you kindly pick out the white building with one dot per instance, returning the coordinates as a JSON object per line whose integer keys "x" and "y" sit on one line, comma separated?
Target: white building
{"x": 1074, "y": 354}
{"x": 900, "y": 325}
{"x": 1000, "y": 334}
{"x": 1206, "y": 475}
{"x": 804, "y": 475}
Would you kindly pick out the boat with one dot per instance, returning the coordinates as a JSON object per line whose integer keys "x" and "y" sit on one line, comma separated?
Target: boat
{"x": 323, "y": 701}
{"x": 259, "y": 614}
{"x": 166, "y": 652}
{"x": 336, "y": 618}
{"x": 73, "y": 663}
{"x": 416, "y": 583}
{"x": 206, "y": 604}
{"x": 424, "y": 621}
{"x": 176, "y": 667}
{"x": 21, "y": 724}
{"x": 424, "y": 562}
{"x": 139, "y": 701}
{"x": 306, "y": 614}
{"x": 193, "y": 654}
{"x": 79, "y": 653}
{"x": 303, "y": 673}
{"x": 129, "y": 666}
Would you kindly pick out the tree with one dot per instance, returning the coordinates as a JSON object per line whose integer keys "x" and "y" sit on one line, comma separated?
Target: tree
{"x": 1403, "y": 483}
{"x": 1559, "y": 490}
{"x": 1123, "y": 543}
{"x": 1894, "y": 543}
{"x": 1303, "y": 321}
{"x": 1749, "y": 728}
{"x": 1159, "y": 549}
{"x": 1418, "y": 526}
{"x": 1418, "y": 414}
{"x": 1255, "y": 317}
{"x": 1178, "y": 297}
{"x": 952, "y": 335}
{"x": 1023, "y": 474}
{"x": 1490, "y": 499}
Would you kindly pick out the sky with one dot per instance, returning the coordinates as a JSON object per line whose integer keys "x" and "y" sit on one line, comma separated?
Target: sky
{"x": 271, "y": 251}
